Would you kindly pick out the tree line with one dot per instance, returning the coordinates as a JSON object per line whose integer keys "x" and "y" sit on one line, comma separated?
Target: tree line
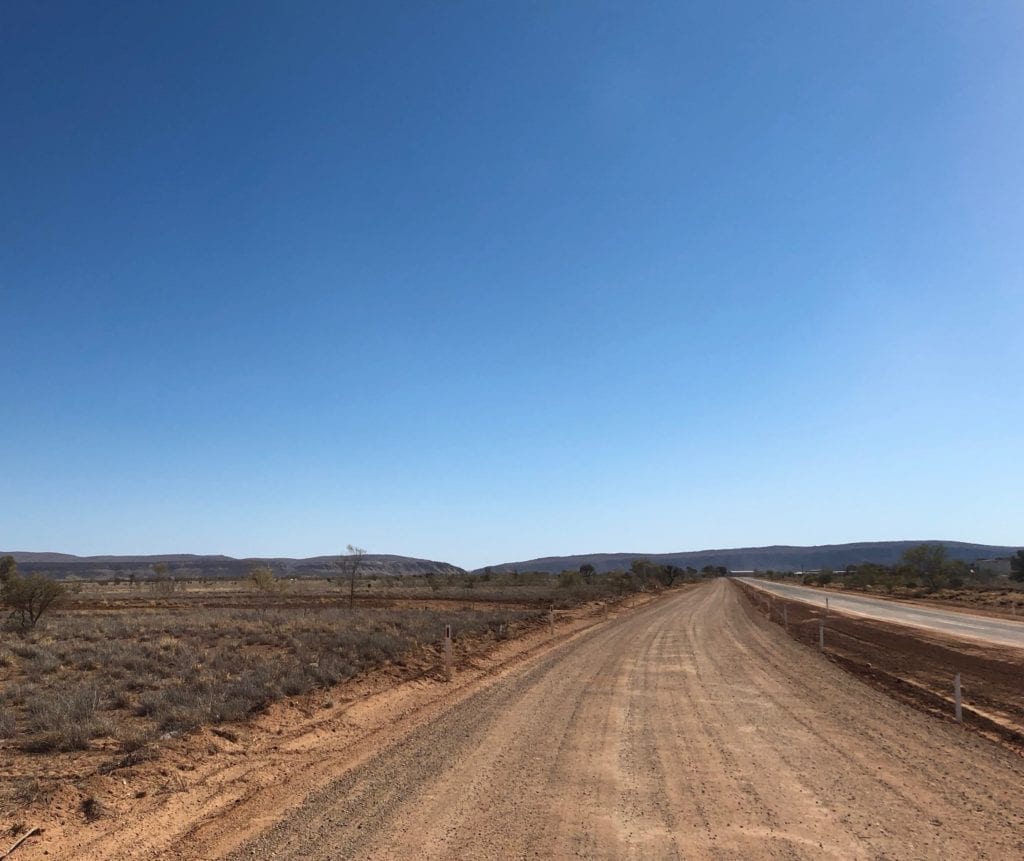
{"x": 926, "y": 566}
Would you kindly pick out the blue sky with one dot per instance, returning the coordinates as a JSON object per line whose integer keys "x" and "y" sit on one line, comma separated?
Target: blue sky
{"x": 487, "y": 281}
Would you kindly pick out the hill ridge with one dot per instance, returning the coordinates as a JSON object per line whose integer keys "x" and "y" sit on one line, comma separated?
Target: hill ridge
{"x": 193, "y": 565}
{"x": 774, "y": 556}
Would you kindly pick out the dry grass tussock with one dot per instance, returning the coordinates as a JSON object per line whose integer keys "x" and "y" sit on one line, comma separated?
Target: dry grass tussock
{"x": 118, "y": 679}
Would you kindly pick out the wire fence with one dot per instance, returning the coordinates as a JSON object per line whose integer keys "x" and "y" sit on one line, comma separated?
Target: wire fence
{"x": 979, "y": 685}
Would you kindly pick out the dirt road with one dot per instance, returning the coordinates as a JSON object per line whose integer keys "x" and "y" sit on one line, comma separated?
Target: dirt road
{"x": 689, "y": 729}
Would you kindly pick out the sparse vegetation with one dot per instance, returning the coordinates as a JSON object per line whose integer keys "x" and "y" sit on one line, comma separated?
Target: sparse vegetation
{"x": 1017, "y": 566}
{"x": 115, "y": 668}
{"x": 170, "y": 662}
{"x": 349, "y": 567}
{"x": 926, "y": 570}
{"x": 28, "y": 597}
{"x": 131, "y": 675}
{"x": 263, "y": 579}
{"x": 8, "y": 567}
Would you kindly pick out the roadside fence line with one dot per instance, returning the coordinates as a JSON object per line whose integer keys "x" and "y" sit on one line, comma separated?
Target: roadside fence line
{"x": 766, "y": 601}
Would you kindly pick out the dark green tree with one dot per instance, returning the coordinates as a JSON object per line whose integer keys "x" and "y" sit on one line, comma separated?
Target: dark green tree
{"x": 668, "y": 574}
{"x": 928, "y": 563}
{"x": 1017, "y": 566}
{"x": 8, "y": 568}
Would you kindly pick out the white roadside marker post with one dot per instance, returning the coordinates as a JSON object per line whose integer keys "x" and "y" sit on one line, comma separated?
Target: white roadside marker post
{"x": 958, "y": 706}
{"x": 551, "y": 619}
{"x": 448, "y": 652}
{"x": 826, "y": 605}
{"x": 821, "y": 635}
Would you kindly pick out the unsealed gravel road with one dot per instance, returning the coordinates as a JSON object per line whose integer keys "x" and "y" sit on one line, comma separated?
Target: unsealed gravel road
{"x": 687, "y": 729}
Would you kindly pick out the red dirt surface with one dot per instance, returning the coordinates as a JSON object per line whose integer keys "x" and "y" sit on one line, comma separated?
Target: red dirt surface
{"x": 689, "y": 728}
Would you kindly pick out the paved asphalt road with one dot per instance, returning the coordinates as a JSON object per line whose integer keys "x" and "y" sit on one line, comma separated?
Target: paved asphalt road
{"x": 997, "y": 631}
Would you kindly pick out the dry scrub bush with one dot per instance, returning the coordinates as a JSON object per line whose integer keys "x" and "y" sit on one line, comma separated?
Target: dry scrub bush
{"x": 21, "y": 792}
{"x": 65, "y": 720}
{"x": 8, "y": 723}
{"x": 136, "y": 673}
{"x": 29, "y": 596}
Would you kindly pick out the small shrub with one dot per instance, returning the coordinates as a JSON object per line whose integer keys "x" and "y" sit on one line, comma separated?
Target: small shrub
{"x": 7, "y": 723}
{"x": 64, "y": 720}
{"x": 92, "y": 808}
{"x": 25, "y": 791}
{"x": 134, "y": 741}
{"x": 42, "y": 663}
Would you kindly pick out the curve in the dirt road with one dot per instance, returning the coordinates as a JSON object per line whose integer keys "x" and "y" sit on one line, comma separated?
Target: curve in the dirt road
{"x": 996, "y": 631}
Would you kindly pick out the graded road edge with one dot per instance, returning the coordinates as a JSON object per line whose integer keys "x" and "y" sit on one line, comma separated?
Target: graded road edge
{"x": 688, "y": 728}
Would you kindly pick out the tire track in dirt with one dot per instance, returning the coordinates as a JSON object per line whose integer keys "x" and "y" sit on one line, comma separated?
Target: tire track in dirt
{"x": 875, "y": 728}
{"x": 689, "y": 728}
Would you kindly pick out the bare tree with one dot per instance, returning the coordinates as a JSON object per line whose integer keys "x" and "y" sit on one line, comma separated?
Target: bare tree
{"x": 349, "y": 567}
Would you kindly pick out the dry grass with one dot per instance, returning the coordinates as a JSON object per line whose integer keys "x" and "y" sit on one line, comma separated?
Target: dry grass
{"x": 128, "y": 675}
{"x": 100, "y": 681}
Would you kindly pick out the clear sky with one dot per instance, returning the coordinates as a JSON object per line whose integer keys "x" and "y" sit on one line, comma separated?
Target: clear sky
{"x": 487, "y": 281}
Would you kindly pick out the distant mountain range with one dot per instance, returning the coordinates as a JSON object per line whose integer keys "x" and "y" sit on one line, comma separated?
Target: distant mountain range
{"x": 778, "y": 557}
{"x": 185, "y": 565}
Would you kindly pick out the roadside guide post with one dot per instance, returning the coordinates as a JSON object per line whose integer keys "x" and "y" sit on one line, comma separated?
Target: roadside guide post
{"x": 448, "y": 651}
{"x": 958, "y": 704}
{"x": 821, "y": 635}
{"x": 551, "y": 619}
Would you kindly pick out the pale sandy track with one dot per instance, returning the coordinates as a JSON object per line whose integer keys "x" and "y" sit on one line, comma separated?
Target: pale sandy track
{"x": 688, "y": 729}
